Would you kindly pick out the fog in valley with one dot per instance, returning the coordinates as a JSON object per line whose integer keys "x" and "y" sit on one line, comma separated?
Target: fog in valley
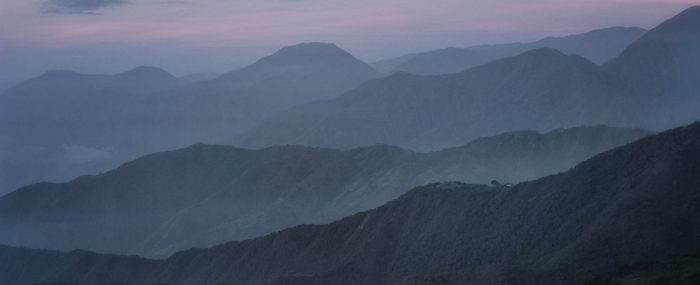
{"x": 324, "y": 142}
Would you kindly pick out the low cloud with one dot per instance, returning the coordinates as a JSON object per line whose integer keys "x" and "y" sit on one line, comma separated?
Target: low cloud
{"x": 78, "y": 6}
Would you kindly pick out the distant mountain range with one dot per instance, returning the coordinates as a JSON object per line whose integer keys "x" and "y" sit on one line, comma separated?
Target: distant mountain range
{"x": 631, "y": 204}
{"x": 202, "y": 76}
{"x": 90, "y": 123}
{"x": 64, "y": 107}
{"x": 145, "y": 110}
{"x": 598, "y": 46}
{"x": 649, "y": 85}
{"x": 70, "y": 108}
{"x": 163, "y": 202}
{"x": 339, "y": 209}
{"x": 213, "y": 110}
{"x": 62, "y": 124}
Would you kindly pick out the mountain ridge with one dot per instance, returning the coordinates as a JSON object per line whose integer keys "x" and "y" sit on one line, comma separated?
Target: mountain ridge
{"x": 416, "y": 112}
{"x": 148, "y": 110}
{"x": 164, "y": 198}
{"x": 649, "y": 85}
{"x": 444, "y": 61}
{"x": 565, "y": 228}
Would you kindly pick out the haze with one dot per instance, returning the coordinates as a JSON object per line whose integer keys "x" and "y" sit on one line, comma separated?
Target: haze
{"x": 185, "y": 37}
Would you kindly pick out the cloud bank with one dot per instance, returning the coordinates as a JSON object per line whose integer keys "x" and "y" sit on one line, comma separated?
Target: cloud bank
{"x": 78, "y": 6}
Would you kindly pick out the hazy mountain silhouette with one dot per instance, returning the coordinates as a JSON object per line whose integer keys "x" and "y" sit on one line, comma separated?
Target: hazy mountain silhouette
{"x": 240, "y": 99}
{"x": 634, "y": 203}
{"x": 164, "y": 202}
{"x": 443, "y": 61}
{"x": 146, "y": 110}
{"x": 64, "y": 105}
{"x": 597, "y": 46}
{"x": 201, "y": 76}
{"x": 62, "y": 124}
{"x": 539, "y": 89}
{"x": 387, "y": 66}
{"x": 662, "y": 69}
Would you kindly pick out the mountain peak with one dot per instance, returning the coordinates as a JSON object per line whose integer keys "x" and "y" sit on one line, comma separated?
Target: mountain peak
{"x": 686, "y": 21}
{"x": 146, "y": 72}
{"x": 310, "y": 47}
{"x": 693, "y": 11}
{"x": 665, "y": 57}
{"x": 308, "y": 52}
{"x": 545, "y": 59}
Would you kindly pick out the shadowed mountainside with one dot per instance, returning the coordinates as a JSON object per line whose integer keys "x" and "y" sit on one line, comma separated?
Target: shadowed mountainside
{"x": 677, "y": 271}
{"x": 162, "y": 203}
{"x": 632, "y": 204}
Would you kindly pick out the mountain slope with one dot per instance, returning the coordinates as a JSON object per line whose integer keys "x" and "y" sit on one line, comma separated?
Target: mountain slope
{"x": 683, "y": 270}
{"x": 597, "y": 46}
{"x": 662, "y": 69}
{"x": 215, "y": 110}
{"x": 387, "y": 66}
{"x": 29, "y": 266}
{"x": 163, "y": 202}
{"x": 62, "y": 124}
{"x": 146, "y": 110}
{"x": 635, "y": 203}
{"x": 202, "y": 76}
{"x": 443, "y": 61}
{"x": 540, "y": 89}
{"x": 47, "y": 104}
{"x": 559, "y": 229}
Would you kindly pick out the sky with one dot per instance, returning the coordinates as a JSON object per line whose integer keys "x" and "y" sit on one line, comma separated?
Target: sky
{"x": 191, "y": 36}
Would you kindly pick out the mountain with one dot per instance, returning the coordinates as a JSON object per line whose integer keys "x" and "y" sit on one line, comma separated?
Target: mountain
{"x": 540, "y": 89}
{"x": 202, "y": 76}
{"x": 387, "y": 66}
{"x": 443, "y": 61}
{"x": 163, "y": 202}
{"x": 63, "y": 123}
{"x": 635, "y": 203}
{"x": 240, "y": 99}
{"x": 597, "y": 46}
{"x": 683, "y": 270}
{"x": 25, "y": 266}
{"x": 123, "y": 116}
{"x": 662, "y": 68}
{"x": 59, "y": 98}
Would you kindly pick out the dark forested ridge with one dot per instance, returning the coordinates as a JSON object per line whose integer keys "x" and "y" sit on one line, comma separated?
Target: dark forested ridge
{"x": 652, "y": 84}
{"x": 684, "y": 270}
{"x": 628, "y": 205}
{"x": 163, "y": 202}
